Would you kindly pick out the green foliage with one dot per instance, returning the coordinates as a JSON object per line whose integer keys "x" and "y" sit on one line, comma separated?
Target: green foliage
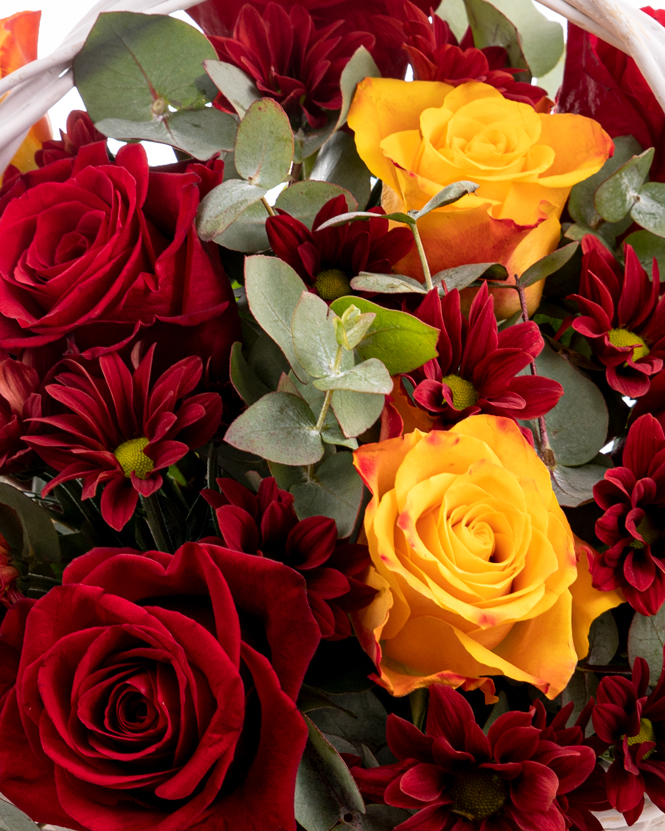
{"x": 603, "y": 640}
{"x": 334, "y": 489}
{"x": 647, "y": 246}
{"x": 14, "y": 820}
{"x": 646, "y": 638}
{"x": 223, "y": 205}
{"x": 574, "y": 485}
{"x": 387, "y": 283}
{"x": 616, "y": 196}
{"x": 649, "y": 208}
{"x": 338, "y": 162}
{"x": 234, "y": 84}
{"x": 356, "y": 411}
{"x": 28, "y": 529}
{"x": 304, "y": 200}
{"x": 264, "y": 144}
{"x": 548, "y": 264}
{"x": 314, "y": 338}
{"x": 361, "y": 65}
{"x": 446, "y": 196}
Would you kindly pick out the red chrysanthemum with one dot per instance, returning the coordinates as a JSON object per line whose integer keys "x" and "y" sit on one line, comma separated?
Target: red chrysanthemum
{"x": 19, "y": 402}
{"x": 476, "y": 370}
{"x": 329, "y": 259}
{"x": 266, "y": 524}
{"x": 622, "y": 316}
{"x": 632, "y": 725}
{"x": 654, "y": 401}
{"x": 290, "y": 60}
{"x": 633, "y": 525}
{"x": 120, "y": 430}
{"x": 435, "y": 55}
{"x": 459, "y": 779}
{"x": 80, "y": 131}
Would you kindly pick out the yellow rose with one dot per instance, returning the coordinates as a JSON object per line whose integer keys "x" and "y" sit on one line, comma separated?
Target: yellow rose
{"x": 474, "y": 562}
{"x": 18, "y": 46}
{"x": 420, "y": 136}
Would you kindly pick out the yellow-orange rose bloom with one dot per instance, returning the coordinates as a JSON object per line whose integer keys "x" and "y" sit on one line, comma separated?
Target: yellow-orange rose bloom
{"x": 18, "y": 46}
{"x": 420, "y": 136}
{"x": 474, "y": 562}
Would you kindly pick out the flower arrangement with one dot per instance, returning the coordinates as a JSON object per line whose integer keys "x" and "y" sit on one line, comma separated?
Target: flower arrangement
{"x": 333, "y": 453}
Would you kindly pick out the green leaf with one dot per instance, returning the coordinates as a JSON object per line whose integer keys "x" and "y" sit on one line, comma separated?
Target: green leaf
{"x": 354, "y": 216}
{"x": 332, "y": 434}
{"x": 280, "y": 428}
{"x": 647, "y": 246}
{"x": 241, "y": 466}
{"x": 360, "y": 66}
{"x": 577, "y": 426}
{"x": 311, "y": 698}
{"x": 307, "y": 141}
{"x": 234, "y": 84}
{"x": 134, "y": 66}
{"x": 649, "y": 208}
{"x": 246, "y": 382}
{"x": 381, "y": 818}
{"x": 574, "y": 485}
{"x": 201, "y": 133}
{"x": 314, "y": 340}
{"x": 454, "y": 13}
{"x": 502, "y": 706}
{"x": 360, "y": 718}
{"x": 548, "y": 264}
{"x": 247, "y": 233}
{"x": 463, "y": 275}
{"x": 603, "y": 640}
{"x": 264, "y": 144}
{"x": 27, "y": 528}
{"x": 335, "y": 491}
{"x": 446, "y": 196}
{"x": 530, "y": 39}
{"x": 267, "y": 360}
{"x": 580, "y": 204}
{"x": 581, "y": 687}
{"x": 273, "y": 292}
{"x": 338, "y": 162}
{"x": 399, "y": 340}
{"x": 351, "y": 328}
{"x": 223, "y": 205}
{"x": 617, "y": 194}
{"x": 14, "y": 820}
{"x": 387, "y": 283}
{"x": 303, "y": 200}
{"x": 646, "y": 638}
{"x": 356, "y": 411}
{"x": 369, "y": 376}
{"x": 325, "y": 789}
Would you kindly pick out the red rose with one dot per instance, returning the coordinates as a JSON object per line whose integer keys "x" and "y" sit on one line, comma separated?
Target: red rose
{"x": 156, "y": 691}
{"x": 96, "y": 251}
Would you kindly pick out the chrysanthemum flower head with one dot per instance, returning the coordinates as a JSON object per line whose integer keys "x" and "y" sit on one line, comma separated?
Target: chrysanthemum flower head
{"x": 622, "y": 316}
{"x": 121, "y": 429}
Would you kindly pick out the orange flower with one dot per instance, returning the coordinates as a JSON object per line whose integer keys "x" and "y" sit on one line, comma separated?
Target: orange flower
{"x": 18, "y": 46}
{"x": 420, "y": 136}
{"x": 474, "y": 562}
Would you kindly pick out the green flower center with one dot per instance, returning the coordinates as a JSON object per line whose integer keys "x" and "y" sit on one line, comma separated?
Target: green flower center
{"x": 646, "y": 734}
{"x": 478, "y": 794}
{"x": 464, "y": 393}
{"x": 649, "y": 531}
{"x": 332, "y": 283}
{"x": 622, "y": 337}
{"x": 132, "y": 459}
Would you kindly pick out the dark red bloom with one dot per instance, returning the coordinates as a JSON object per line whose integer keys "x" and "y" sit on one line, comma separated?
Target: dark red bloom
{"x": 80, "y": 131}
{"x": 435, "y": 55}
{"x": 19, "y": 402}
{"x": 156, "y": 692}
{"x": 458, "y": 779}
{"x": 632, "y": 724}
{"x": 121, "y": 429}
{"x": 96, "y": 253}
{"x": 654, "y": 401}
{"x": 603, "y": 83}
{"x": 633, "y": 525}
{"x": 383, "y": 18}
{"x": 476, "y": 370}
{"x": 267, "y": 525}
{"x": 622, "y": 316}
{"x": 9, "y": 593}
{"x": 329, "y": 259}
{"x": 290, "y": 60}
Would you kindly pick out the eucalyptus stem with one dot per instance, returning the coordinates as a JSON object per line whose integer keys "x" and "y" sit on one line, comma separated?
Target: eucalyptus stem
{"x": 267, "y": 206}
{"x": 326, "y": 401}
{"x": 157, "y": 523}
{"x": 296, "y": 170}
{"x": 423, "y": 258}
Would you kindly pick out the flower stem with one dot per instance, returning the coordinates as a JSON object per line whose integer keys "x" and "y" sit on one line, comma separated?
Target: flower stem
{"x": 267, "y": 206}
{"x": 157, "y": 523}
{"x": 423, "y": 258}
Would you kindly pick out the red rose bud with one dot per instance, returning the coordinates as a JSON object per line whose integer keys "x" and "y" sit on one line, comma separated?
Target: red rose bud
{"x": 477, "y": 367}
{"x": 267, "y": 525}
{"x": 633, "y": 525}
{"x": 622, "y": 316}
{"x": 122, "y": 429}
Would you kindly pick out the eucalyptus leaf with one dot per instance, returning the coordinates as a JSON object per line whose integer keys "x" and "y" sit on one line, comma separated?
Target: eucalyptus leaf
{"x": 338, "y": 162}
{"x": 273, "y": 292}
{"x": 387, "y": 283}
{"x": 381, "y": 818}
{"x": 462, "y": 276}
{"x": 201, "y": 133}
{"x": 311, "y": 698}
{"x": 369, "y": 376}
{"x": 245, "y": 381}
{"x": 548, "y": 264}
{"x": 27, "y": 528}
{"x": 14, "y": 820}
{"x": 234, "y": 84}
{"x": 361, "y": 65}
{"x": 399, "y": 340}
{"x": 223, "y": 205}
{"x": 351, "y": 328}
{"x": 500, "y": 708}
{"x": 646, "y": 638}
{"x": 649, "y": 208}
{"x": 617, "y": 194}
{"x": 574, "y": 485}
{"x": 360, "y": 718}
{"x": 133, "y": 66}
{"x": 454, "y": 13}
{"x": 581, "y": 687}
{"x": 603, "y": 640}
{"x": 446, "y": 196}
{"x": 280, "y": 428}
{"x": 353, "y": 216}
{"x": 247, "y": 233}
{"x": 647, "y": 246}
{"x": 335, "y": 490}
{"x": 264, "y": 144}
{"x": 314, "y": 339}
{"x": 267, "y": 360}
{"x": 303, "y": 200}
{"x": 307, "y": 140}
{"x": 356, "y": 411}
